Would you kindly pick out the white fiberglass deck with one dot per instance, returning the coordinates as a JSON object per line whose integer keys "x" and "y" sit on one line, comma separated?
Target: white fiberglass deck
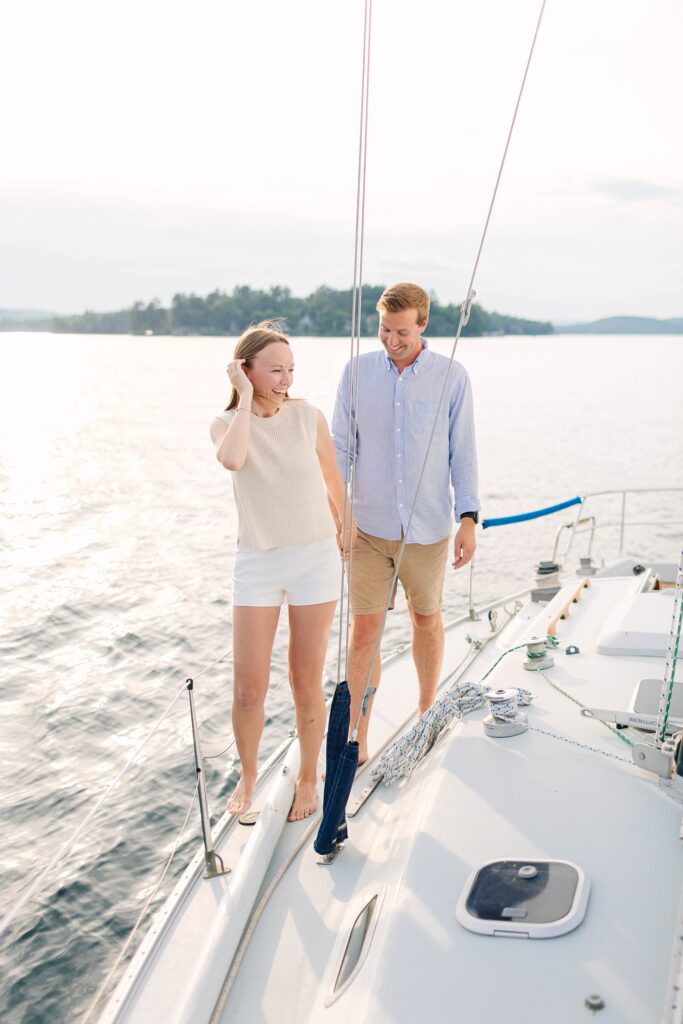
{"x": 473, "y": 800}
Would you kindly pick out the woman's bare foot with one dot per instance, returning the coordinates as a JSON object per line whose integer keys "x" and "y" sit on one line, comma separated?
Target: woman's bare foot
{"x": 240, "y": 799}
{"x": 305, "y": 801}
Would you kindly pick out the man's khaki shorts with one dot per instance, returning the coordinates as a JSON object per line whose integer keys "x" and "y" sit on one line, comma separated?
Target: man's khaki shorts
{"x": 421, "y": 573}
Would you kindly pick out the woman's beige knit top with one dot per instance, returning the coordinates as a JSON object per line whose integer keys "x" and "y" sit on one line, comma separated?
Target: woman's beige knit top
{"x": 279, "y": 491}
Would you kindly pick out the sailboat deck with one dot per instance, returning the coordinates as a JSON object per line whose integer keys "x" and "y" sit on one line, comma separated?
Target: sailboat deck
{"x": 567, "y": 789}
{"x": 473, "y": 800}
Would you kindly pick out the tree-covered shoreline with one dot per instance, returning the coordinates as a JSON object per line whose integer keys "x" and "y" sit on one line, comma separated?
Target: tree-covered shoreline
{"x": 326, "y": 312}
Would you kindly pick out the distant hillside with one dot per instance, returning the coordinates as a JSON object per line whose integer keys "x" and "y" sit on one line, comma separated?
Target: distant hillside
{"x": 25, "y": 319}
{"x": 626, "y": 325}
{"x": 26, "y": 314}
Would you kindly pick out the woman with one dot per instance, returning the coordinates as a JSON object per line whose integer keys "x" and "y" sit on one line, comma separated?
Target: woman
{"x": 290, "y": 503}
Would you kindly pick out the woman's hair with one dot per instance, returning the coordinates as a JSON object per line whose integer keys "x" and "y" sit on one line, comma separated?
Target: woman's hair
{"x": 404, "y": 295}
{"x": 254, "y": 339}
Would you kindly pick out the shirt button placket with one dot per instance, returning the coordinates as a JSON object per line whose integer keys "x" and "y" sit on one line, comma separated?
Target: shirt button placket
{"x": 398, "y": 447}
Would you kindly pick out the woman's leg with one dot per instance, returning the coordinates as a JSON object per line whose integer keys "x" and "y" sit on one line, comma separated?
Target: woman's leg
{"x": 309, "y": 630}
{"x": 253, "y": 632}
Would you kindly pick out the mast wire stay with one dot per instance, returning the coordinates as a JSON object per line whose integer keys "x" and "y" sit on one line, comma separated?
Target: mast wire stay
{"x": 464, "y": 316}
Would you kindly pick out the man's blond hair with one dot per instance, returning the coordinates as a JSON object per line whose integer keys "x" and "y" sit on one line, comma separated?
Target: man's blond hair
{"x": 404, "y": 295}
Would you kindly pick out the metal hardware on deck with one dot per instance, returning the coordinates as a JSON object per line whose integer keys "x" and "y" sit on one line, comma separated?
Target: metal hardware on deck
{"x": 367, "y": 697}
{"x": 211, "y": 858}
{"x": 595, "y": 1002}
{"x": 628, "y": 719}
{"x": 537, "y": 655}
{"x": 658, "y": 760}
{"x": 329, "y": 858}
{"x": 355, "y": 805}
{"x": 547, "y": 581}
{"x": 573, "y": 526}
{"x": 572, "y": 649}
{"x": 498, "y": 729}
{"x": 248, "y": 818}
{"x": 512, "y": 721}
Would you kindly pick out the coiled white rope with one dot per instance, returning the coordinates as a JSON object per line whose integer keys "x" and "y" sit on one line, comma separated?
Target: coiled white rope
{"x": 505, "y": 707}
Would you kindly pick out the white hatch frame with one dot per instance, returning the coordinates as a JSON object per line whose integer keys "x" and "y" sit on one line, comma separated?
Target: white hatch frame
{"x": 526, "y": 930}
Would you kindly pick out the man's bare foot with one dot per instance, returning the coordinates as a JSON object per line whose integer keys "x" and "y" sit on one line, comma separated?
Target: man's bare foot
{"x": 305, "y": 801}
{"x": 240, "y": 799}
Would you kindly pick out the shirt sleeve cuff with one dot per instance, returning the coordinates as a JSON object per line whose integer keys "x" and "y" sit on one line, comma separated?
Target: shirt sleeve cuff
{"x": 466, "y": 504}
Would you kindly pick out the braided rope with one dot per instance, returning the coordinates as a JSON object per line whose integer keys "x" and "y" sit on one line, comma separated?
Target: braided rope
{"x": 575, "y": 700}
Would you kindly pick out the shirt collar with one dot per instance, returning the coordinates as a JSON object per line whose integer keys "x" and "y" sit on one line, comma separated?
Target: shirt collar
{"x": 421, "y": 360}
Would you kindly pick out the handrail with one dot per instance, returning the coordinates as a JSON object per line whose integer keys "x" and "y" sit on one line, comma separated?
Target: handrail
{"x": 623, "y": 492}
{"x": 575, "y": 527}
{"x": 536, "y": 514}
{"x": 580, "y": 522}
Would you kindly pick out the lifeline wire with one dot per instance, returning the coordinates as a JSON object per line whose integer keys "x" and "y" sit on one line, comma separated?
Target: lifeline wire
{"x": 122, "y": 952}
{"x": 68, "y": 845}
{"x": 70, "y": 842}
{"x": 671, "y": 658}
{"x": 356, "y": 311}
{"x": 464, "y": 316}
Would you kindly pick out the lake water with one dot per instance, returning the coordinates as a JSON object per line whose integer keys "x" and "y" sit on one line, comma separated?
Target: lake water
{"x": 118, "y": 531}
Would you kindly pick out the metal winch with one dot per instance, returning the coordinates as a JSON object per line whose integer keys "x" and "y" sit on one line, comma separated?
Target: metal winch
{"x": 537, "y": 655}
{"x": 505, "y": 719}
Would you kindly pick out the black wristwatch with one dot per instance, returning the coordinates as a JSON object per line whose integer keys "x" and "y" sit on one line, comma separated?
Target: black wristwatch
{"x": 470, "y": 515}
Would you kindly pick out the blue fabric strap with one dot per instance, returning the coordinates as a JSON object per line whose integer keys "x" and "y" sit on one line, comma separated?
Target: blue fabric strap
{"x": 506, "y": 520}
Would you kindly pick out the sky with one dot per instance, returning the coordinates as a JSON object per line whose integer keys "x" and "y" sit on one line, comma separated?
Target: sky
{"x": 151, "y": 148}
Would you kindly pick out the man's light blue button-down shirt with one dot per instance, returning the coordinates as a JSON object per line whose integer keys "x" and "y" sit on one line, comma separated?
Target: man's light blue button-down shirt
{"x": 395, "y": 412}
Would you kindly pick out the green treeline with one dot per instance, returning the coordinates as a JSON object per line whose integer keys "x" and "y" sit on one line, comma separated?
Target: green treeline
{"x": 326, "y": 312}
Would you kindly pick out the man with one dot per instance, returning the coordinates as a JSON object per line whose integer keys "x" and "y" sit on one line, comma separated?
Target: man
{"x": 395, "y": 405}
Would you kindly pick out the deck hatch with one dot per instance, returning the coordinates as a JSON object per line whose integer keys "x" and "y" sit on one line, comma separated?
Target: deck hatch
{"x": 527, "y": 898}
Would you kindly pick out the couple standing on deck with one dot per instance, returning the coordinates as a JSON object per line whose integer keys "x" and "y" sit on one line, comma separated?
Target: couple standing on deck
{"x": 290, "y": 497}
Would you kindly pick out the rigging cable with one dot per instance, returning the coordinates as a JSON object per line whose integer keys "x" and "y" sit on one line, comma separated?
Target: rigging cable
{"x": 464, "y": 317}
{"x": 356, "y": 326}
{"x": 667, "y": 690}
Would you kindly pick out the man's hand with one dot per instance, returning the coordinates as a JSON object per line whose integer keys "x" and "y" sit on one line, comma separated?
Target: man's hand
{"x": 464, "y": 544}
{"x": 345, "y": 545}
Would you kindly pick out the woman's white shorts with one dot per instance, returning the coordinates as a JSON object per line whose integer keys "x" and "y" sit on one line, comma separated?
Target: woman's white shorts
{"x": 303, "y": 573}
